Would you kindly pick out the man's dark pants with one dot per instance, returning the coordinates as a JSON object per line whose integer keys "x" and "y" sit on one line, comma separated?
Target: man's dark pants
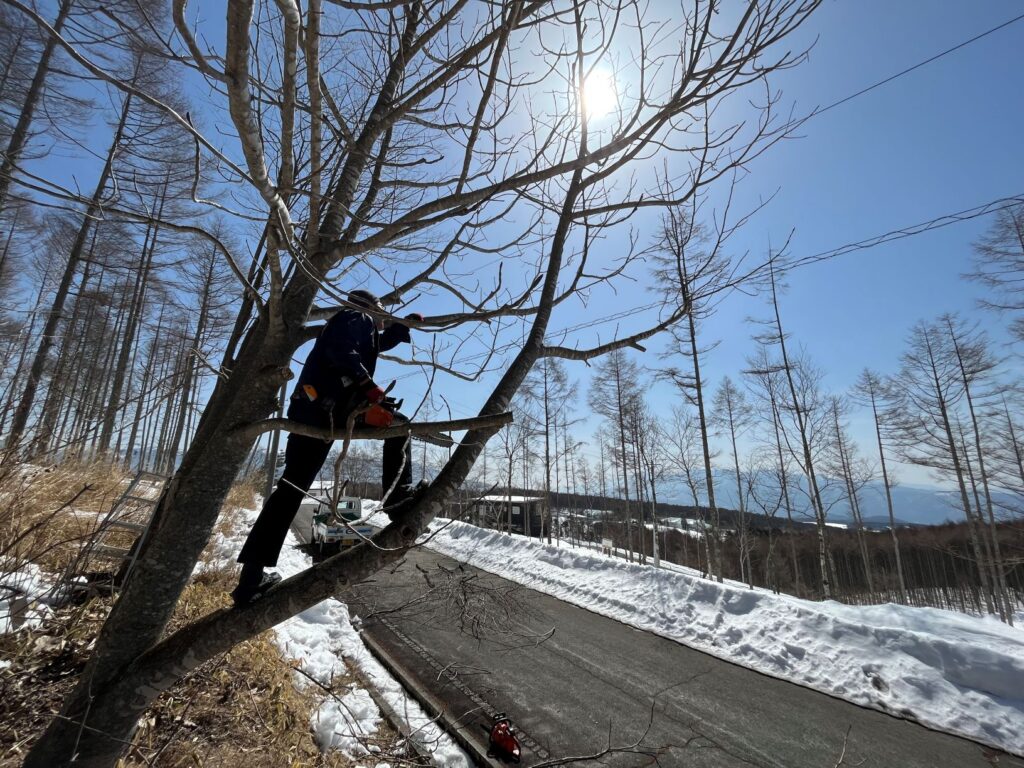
{"x": 303, "y": 458}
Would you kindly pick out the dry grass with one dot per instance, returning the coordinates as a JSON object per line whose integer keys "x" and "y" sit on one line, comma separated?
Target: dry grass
{"x": 47, "y": 513}
{"x": 243, "y": 495}
{"x": 241, "y": 709}
{"x": 43, "y": 665}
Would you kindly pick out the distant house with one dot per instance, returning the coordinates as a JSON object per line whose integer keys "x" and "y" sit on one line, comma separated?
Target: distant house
{"x": 526, "y": 513}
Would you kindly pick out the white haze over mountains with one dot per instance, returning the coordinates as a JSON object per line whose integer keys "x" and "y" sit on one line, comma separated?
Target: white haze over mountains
{"x": 912, "y": 504}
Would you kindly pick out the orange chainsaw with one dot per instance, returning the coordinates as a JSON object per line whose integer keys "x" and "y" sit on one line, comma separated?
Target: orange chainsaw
{"x": 382, "y": 414}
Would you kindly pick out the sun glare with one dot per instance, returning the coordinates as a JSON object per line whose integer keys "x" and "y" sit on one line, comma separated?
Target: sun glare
{"x": 599, "y": 96}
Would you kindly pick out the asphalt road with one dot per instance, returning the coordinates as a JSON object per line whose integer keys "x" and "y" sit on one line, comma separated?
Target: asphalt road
{"x": 577, "y": 684}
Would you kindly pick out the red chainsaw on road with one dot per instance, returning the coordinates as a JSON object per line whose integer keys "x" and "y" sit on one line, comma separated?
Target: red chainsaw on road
{"x": 504, "y": 743}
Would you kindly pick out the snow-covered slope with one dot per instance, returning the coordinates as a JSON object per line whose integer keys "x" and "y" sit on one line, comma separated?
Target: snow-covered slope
{"x": 323, "y": 641}
{"x": 953, "y": 672}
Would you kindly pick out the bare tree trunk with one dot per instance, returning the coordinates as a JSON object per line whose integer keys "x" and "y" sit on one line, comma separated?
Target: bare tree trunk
{"x": 1002, "y": 589}
{"x": 53, "y": 417}
{"x": 87, "y": 394}
{"x": 526, "y": 484}
{"x": 556, "y": 520}
{"x": 10, "y": 65}
{"x": 638, "y": 483}
{"x": 22, "y": 354}
{"x": 851, "y": 495}
{"x": 133, "y": 364}
{"x": 71, "y": 391}
{"x": 784, "y": 483}
{"x": 1018, "y": 453}
{"x": 812, "y": 479}
{"x": 745, "y": 574}
{"x": 508, "y": 516}
{"x": 20, "y": 134}
{"x": 547, "y": 451}
{"x": 577, "y": 529}
{"x": 625, "y": 463}
{"x": 173, "y": 406}
{"x": 103, "y": 396}
{"x": 154, "y": 399}
{"x": 24, "y": 408}
{"x": 60, "y": 381}
{"x": 7, "y": 243}
{"x": 715, "y": 554}
{"x": 141, "y": 395}
{"x": 954, "y": 454}
{"x": 157, "y": 409}
{"x": 650, "y": 465}
{"x": 570, "y": 486}
{"x": 191, "y": 354}
{"x": 888, "y": 495}
{"x": 128, "y": 340}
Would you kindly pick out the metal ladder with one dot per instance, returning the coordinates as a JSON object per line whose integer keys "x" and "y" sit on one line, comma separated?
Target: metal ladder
{"x": 138, "y": 500}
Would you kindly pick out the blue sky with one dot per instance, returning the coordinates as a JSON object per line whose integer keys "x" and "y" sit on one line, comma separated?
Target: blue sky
{"x": 943, "y": 138}
{"x": 938, "y": 140}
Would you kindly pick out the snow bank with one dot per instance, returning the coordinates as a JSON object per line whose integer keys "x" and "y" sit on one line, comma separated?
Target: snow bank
{"x": 950, "y": 671}
{"x": 323, "y": 640}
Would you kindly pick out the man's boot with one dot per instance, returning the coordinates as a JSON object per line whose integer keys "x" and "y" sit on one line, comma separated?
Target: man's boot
{"x": 252, "y": 584}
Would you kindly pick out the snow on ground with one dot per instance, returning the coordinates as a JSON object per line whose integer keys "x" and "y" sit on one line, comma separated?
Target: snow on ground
{"x": 323, "y": 640}
{"x": 21, "y": 590}
{"x": 950, "y": 671}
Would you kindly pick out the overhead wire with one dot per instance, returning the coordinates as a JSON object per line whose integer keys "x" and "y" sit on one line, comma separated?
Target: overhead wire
{"x": 937, "y": 222}
{"x": 910, "y": 69}
{"x": 932, "y": 224}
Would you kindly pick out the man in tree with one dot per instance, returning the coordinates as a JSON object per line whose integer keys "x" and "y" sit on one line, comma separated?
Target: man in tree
{"x": 336, "y": 380}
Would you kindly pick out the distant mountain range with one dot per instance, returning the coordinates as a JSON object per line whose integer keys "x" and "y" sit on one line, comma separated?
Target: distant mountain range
{"x": 912, "y": 504}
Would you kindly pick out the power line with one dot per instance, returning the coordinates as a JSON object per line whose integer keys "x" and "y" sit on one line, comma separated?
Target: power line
{"x": 936, "y": 223}
{"x": 893, "y": 235}
{"x": 920, "y": 64}
{"x": 916, "y": 229}
{"x": 897, "y": 234}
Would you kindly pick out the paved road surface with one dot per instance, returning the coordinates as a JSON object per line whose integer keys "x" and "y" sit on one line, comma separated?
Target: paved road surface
{"x": 574, "y": 683}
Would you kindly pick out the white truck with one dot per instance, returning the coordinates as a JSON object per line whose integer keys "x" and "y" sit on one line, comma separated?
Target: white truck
{"x": 331, "y": 533}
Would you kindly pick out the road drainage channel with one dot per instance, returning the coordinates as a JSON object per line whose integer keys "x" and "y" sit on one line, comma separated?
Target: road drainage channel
{"x": 473, "y": 737}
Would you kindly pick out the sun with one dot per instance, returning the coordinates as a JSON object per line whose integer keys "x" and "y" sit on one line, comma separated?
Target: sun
{"x": 599, "y": 95}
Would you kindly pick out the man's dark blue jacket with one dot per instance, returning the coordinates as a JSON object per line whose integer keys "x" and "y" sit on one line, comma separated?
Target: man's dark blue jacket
{"x": 345, "y": 354}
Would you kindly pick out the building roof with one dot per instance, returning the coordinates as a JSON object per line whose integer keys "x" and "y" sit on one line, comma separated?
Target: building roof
{"x": 504, "y": 499}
